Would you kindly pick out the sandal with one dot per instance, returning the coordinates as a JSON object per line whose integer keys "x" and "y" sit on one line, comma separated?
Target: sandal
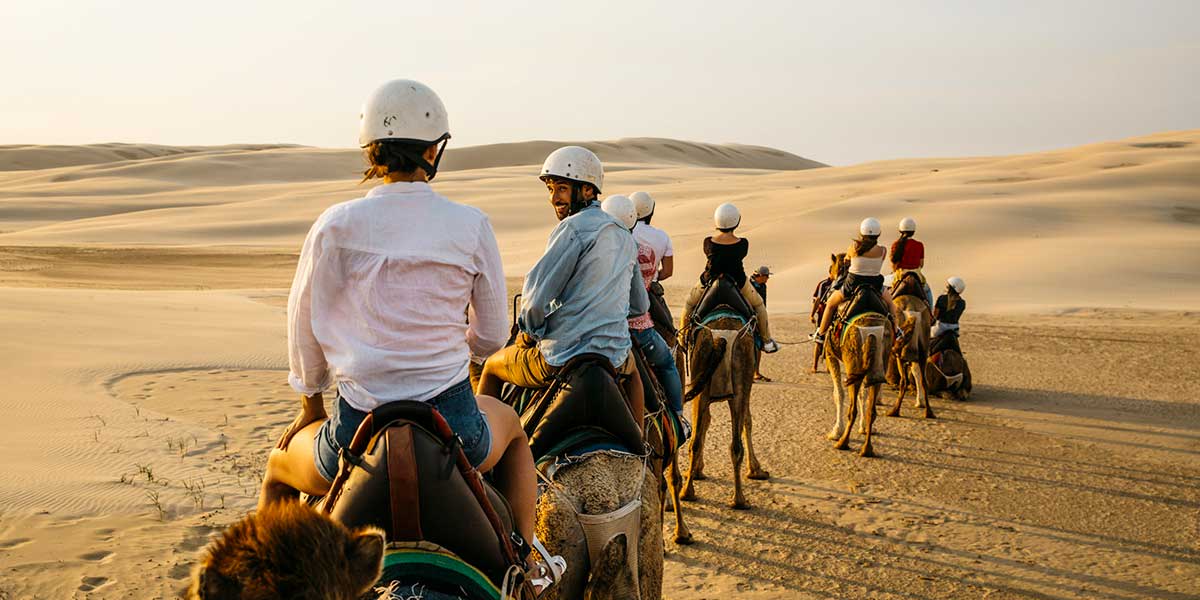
{"x": 547, "y": 571}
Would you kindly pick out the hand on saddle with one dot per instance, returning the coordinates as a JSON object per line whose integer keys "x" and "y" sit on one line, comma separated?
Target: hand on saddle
{"x": 312, "y": 410}
{"x": 524, "y": 340}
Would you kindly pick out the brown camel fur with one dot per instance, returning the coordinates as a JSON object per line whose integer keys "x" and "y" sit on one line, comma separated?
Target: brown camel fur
{"x": 601, "y": 483}
{"x": 911, "y": 356}
{"x": 711, "y": 371}
{"x": 862, "y": 351}
{"x": 838, "y": 265}
{"x": 289, "y": 551}
{"x": 668, "y": 464}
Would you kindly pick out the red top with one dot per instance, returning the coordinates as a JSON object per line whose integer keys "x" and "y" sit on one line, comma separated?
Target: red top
{"x": 914, "y": 253}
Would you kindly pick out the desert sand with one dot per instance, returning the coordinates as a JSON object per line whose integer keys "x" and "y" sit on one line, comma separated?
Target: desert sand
{"x": 141, "y": 303}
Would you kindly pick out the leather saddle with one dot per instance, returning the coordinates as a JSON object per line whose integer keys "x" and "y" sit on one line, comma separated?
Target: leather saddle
{"x": 865, "y": 300}
{"x": 946, "y": 341}
{"x": 584, "y": 406}
{"x": 909, "y": 284}
{"x": 722, "y": 293}
{"x": 405, "y": 472}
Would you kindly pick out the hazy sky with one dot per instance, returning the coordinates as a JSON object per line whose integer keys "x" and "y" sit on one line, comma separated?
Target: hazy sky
{"x": 839, "y": 82}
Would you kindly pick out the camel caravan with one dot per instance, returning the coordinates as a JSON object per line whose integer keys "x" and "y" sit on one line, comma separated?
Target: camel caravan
{"x": 469, "y": 455}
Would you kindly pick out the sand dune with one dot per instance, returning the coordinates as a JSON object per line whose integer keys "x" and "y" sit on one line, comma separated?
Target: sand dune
{"x": 1112, "y": 224}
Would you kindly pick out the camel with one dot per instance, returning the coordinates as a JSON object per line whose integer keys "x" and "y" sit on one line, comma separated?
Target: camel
{"x": 947, "y": 372}
{"x": 721, "y": 361}
{"x": 910, "y": 358}
{"x": 664, "y": 457}
{"x": 598, "y": 488}
{"x": 861, "y": 349}
{"x": 289, "y": 551}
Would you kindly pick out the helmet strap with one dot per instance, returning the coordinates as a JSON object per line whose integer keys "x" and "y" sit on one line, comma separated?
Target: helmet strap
{"x": 419, "y": 158}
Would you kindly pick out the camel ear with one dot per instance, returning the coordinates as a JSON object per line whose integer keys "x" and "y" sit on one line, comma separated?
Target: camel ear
{"x": 210, "y": 585}
{"x": 365, "y": 555}
{"x": 833, "y": 258}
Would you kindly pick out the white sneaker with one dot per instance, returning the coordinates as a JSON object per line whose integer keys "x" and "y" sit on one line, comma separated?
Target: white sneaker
{"x": 770, "y": 347}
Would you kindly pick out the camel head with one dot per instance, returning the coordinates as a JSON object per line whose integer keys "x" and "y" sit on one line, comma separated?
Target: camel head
{"x": 289, "y": 551}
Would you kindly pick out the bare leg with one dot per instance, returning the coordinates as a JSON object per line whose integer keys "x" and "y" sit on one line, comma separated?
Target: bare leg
{"x": 835, "y": 300}
{"x": 293, "y": 470}
{"x": 512, "y": 461}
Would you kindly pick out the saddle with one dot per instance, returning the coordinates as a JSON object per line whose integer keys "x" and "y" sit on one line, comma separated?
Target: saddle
{"x": 405, "y": 472}
{"x": 909, "y": 284}
{"x": 943, "y": 342}
{"x": 865, "y": 300}
{"x": 660, "y": 313}
{"x": 583, "y": 408}
{"x": 721, "y": 293}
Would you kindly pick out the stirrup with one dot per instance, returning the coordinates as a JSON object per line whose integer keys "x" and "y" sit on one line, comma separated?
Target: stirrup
{"x": 546, "y": 572}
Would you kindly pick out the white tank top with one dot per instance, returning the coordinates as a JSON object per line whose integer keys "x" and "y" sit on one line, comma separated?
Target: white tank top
{"x": 867, "y": 266}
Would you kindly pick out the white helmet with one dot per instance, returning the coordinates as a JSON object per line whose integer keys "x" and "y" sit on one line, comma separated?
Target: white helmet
{"x": 870, "y": 226}
{"x": 403, "y": 110}
{"x": 644, "y": 204}
{"x": 576, "y": 164}
{"x": 957, "y": 283}
{"x": 908, "y": 225}
{"x": 727, "y": 216}
{"x": 622, "y": 209}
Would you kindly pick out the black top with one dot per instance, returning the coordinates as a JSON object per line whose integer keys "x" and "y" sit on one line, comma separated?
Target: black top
{"x": 948, "y": 316}
{"x": 761, "y": 288}
{"x": 725, "y": 259}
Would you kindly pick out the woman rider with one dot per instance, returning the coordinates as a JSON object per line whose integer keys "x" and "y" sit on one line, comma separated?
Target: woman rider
{"x": 377, "y": 310}
{"x": 866, "y": 259}
{"x": 725, "y": 252}
{"x": 908, "y": 255}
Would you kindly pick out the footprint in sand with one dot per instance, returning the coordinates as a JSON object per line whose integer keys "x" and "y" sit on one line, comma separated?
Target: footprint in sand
{"x": 96, "y": 556}
{"x": 13, "y": 543}
{"x": 92, "y": 583}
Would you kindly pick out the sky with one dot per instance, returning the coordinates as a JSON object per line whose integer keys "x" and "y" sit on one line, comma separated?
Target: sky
{"x": 837, "y": 82}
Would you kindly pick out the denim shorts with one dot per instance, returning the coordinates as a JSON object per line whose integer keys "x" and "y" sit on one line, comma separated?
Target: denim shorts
{"x": 456, "y": 405}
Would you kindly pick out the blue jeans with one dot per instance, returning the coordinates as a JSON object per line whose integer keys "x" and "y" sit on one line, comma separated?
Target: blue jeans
{"x": 663, "y": 363}
{"x": 457, "y": 405}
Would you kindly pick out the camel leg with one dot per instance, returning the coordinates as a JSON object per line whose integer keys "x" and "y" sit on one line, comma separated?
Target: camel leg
{"x": 818, "y": 350}
{"x": 738, "y": 405}
{"x": 683, "y": 535}
{"x": 872, "y": 395}
{"x": 839, "y": 398}
{"x": 851, "y": 408}
{"x": 756, "y": 470}
{"x": 895, "y": 412}
{"x": 922, "y": 395}
{"x": 703, "y": 414}
{"x": 696, "y": 446}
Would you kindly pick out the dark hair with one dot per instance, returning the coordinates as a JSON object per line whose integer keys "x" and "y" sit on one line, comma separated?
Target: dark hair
{"x": 898, "y": 255}
{"x": 864, "y": 243}
{"x": 391, "y": 156}
{"x": 646, "y": 219}
{"x": 727, "y": 229}
{"x": 951, "y": 297}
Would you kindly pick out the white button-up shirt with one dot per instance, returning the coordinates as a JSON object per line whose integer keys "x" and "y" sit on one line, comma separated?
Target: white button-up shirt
{"x": 383, "y": 292}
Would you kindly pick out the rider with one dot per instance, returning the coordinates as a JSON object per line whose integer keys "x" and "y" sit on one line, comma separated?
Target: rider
{"x": 645, "y": 233}
{"x": 376, "y": 309}
{"x": 641, "y": 327}
{"x": 758, "y": 280}
{"x": 908, "y": 256}
{"x": 949, "y": 308}
{"x": 725, "y": 252}
{"x": 866, "y": 259}
{"x": 576, "y": 299}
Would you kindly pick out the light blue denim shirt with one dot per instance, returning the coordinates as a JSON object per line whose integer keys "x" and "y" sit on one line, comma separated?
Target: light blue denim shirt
{"x": 579, "y": 295}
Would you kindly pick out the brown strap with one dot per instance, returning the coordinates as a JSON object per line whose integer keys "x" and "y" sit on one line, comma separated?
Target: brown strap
{"x": 405, "y": 490}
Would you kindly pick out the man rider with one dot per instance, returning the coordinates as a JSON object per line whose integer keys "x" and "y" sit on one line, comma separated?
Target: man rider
{"x": 576, "y": 299}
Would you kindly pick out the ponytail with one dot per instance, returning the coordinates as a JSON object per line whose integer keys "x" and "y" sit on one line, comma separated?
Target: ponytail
{"x": 898, "y": 255}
